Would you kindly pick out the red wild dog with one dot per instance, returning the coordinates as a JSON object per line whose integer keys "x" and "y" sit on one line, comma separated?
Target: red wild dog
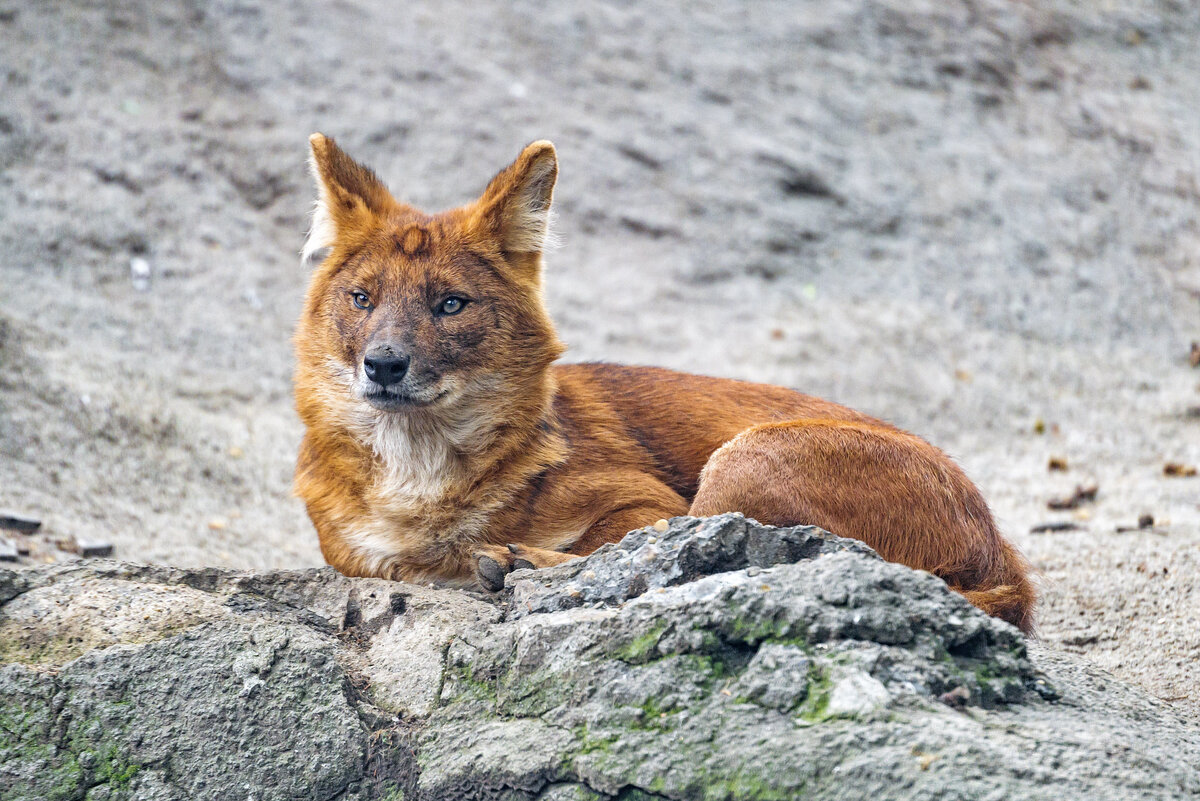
{"x": 443, "y": 444}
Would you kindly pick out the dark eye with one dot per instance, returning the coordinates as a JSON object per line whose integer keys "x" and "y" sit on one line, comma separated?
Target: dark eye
{"x": 361, "y": 300}
{"x": 451, "y": 305}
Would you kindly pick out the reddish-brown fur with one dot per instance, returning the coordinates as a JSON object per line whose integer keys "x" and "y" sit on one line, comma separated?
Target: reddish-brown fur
{"x": 515, "y": 461}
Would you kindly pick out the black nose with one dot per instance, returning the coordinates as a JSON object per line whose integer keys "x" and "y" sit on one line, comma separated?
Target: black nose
{"x": 385, "y": 368}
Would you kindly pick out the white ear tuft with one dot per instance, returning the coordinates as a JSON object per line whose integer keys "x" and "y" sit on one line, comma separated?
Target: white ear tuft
{"x": 552, "y": 239}
{"x": 522, "y": 195}
{"x": 322, "y": 231}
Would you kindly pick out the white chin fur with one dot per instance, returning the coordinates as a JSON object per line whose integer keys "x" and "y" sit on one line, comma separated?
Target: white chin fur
{"x": 422, "y": 448}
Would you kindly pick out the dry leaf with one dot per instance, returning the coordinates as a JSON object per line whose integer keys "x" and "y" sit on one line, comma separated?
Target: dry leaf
{"x": 1055, "y": 525}
{"x": 1080, "y": 496}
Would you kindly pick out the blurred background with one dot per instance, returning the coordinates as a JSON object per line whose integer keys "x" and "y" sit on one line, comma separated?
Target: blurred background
{"x": 974, "y": 218}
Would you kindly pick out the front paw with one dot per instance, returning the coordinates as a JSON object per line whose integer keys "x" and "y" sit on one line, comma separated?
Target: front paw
{"x": 523, "y": 558}
{"x": 493, "y": 563}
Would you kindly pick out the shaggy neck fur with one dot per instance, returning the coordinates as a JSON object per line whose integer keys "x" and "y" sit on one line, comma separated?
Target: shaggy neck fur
{"x": 443, "y": 454}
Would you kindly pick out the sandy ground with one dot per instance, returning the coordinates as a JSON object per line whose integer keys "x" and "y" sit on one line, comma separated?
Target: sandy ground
{"x": 975, "y": 219}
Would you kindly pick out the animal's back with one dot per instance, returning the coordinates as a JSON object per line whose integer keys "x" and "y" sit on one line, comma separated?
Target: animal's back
{"x": 681, "y": 419}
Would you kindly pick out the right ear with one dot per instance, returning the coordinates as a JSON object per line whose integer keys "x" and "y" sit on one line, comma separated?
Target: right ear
{"x": 515, "y": 208}
{"x": 348, "y": 195}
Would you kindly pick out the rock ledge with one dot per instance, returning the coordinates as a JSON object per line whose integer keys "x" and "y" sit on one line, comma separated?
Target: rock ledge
{"x": 718, "y": 659}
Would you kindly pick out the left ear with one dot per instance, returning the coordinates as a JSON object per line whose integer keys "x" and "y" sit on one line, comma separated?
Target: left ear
{"x": 348, "y": 194}
{"x": 515, "y": 207}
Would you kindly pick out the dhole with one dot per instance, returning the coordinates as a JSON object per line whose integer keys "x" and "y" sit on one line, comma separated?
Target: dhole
{"x": 443, "y": 444}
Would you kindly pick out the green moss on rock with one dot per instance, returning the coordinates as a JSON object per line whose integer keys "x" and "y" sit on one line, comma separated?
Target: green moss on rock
{"x": 642, "y": 648}
{"x": 815, "y": 708}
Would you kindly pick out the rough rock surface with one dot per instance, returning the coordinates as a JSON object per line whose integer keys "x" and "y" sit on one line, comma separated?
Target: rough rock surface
{"x": 963, "y": 216}
{"x": 725, "y": 667}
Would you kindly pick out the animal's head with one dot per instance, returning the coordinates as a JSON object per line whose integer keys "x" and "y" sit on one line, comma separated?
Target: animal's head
{"x": 425, "y": 313}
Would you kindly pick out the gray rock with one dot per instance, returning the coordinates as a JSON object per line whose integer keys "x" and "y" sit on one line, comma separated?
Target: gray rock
{"x": 652, "y": 559}
{"x": 742, "y": 662}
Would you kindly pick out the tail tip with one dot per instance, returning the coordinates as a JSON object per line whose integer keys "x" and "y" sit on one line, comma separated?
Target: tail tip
{"x": 1012, "y": 603}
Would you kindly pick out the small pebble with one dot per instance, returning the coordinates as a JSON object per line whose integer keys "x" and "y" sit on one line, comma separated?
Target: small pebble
{"x": 661, "y": 525}
{"x": 15, "y": 521}
{"x": 93, "y": 548}
{"x": 957, "y": 698}
{"x": 139, "y": 273}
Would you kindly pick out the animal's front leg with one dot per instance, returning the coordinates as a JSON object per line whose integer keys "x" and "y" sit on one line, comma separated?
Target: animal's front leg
{"x": 614, "y": 526}
{"x": 494, "y": 562}
{"x": 639, "y": 500}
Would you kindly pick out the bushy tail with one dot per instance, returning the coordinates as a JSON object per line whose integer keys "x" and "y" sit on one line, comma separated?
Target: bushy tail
{"x": 1011, "y": 602}
{"x": 1013, "y": 596}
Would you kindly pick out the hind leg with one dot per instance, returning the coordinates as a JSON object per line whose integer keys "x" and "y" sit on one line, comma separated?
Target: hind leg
{"x": 892, "y": 490}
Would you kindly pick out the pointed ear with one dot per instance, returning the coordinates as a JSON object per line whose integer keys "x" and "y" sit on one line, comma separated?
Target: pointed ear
{"x": 347, "y": 193}
{"x": 515, "y": 207}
